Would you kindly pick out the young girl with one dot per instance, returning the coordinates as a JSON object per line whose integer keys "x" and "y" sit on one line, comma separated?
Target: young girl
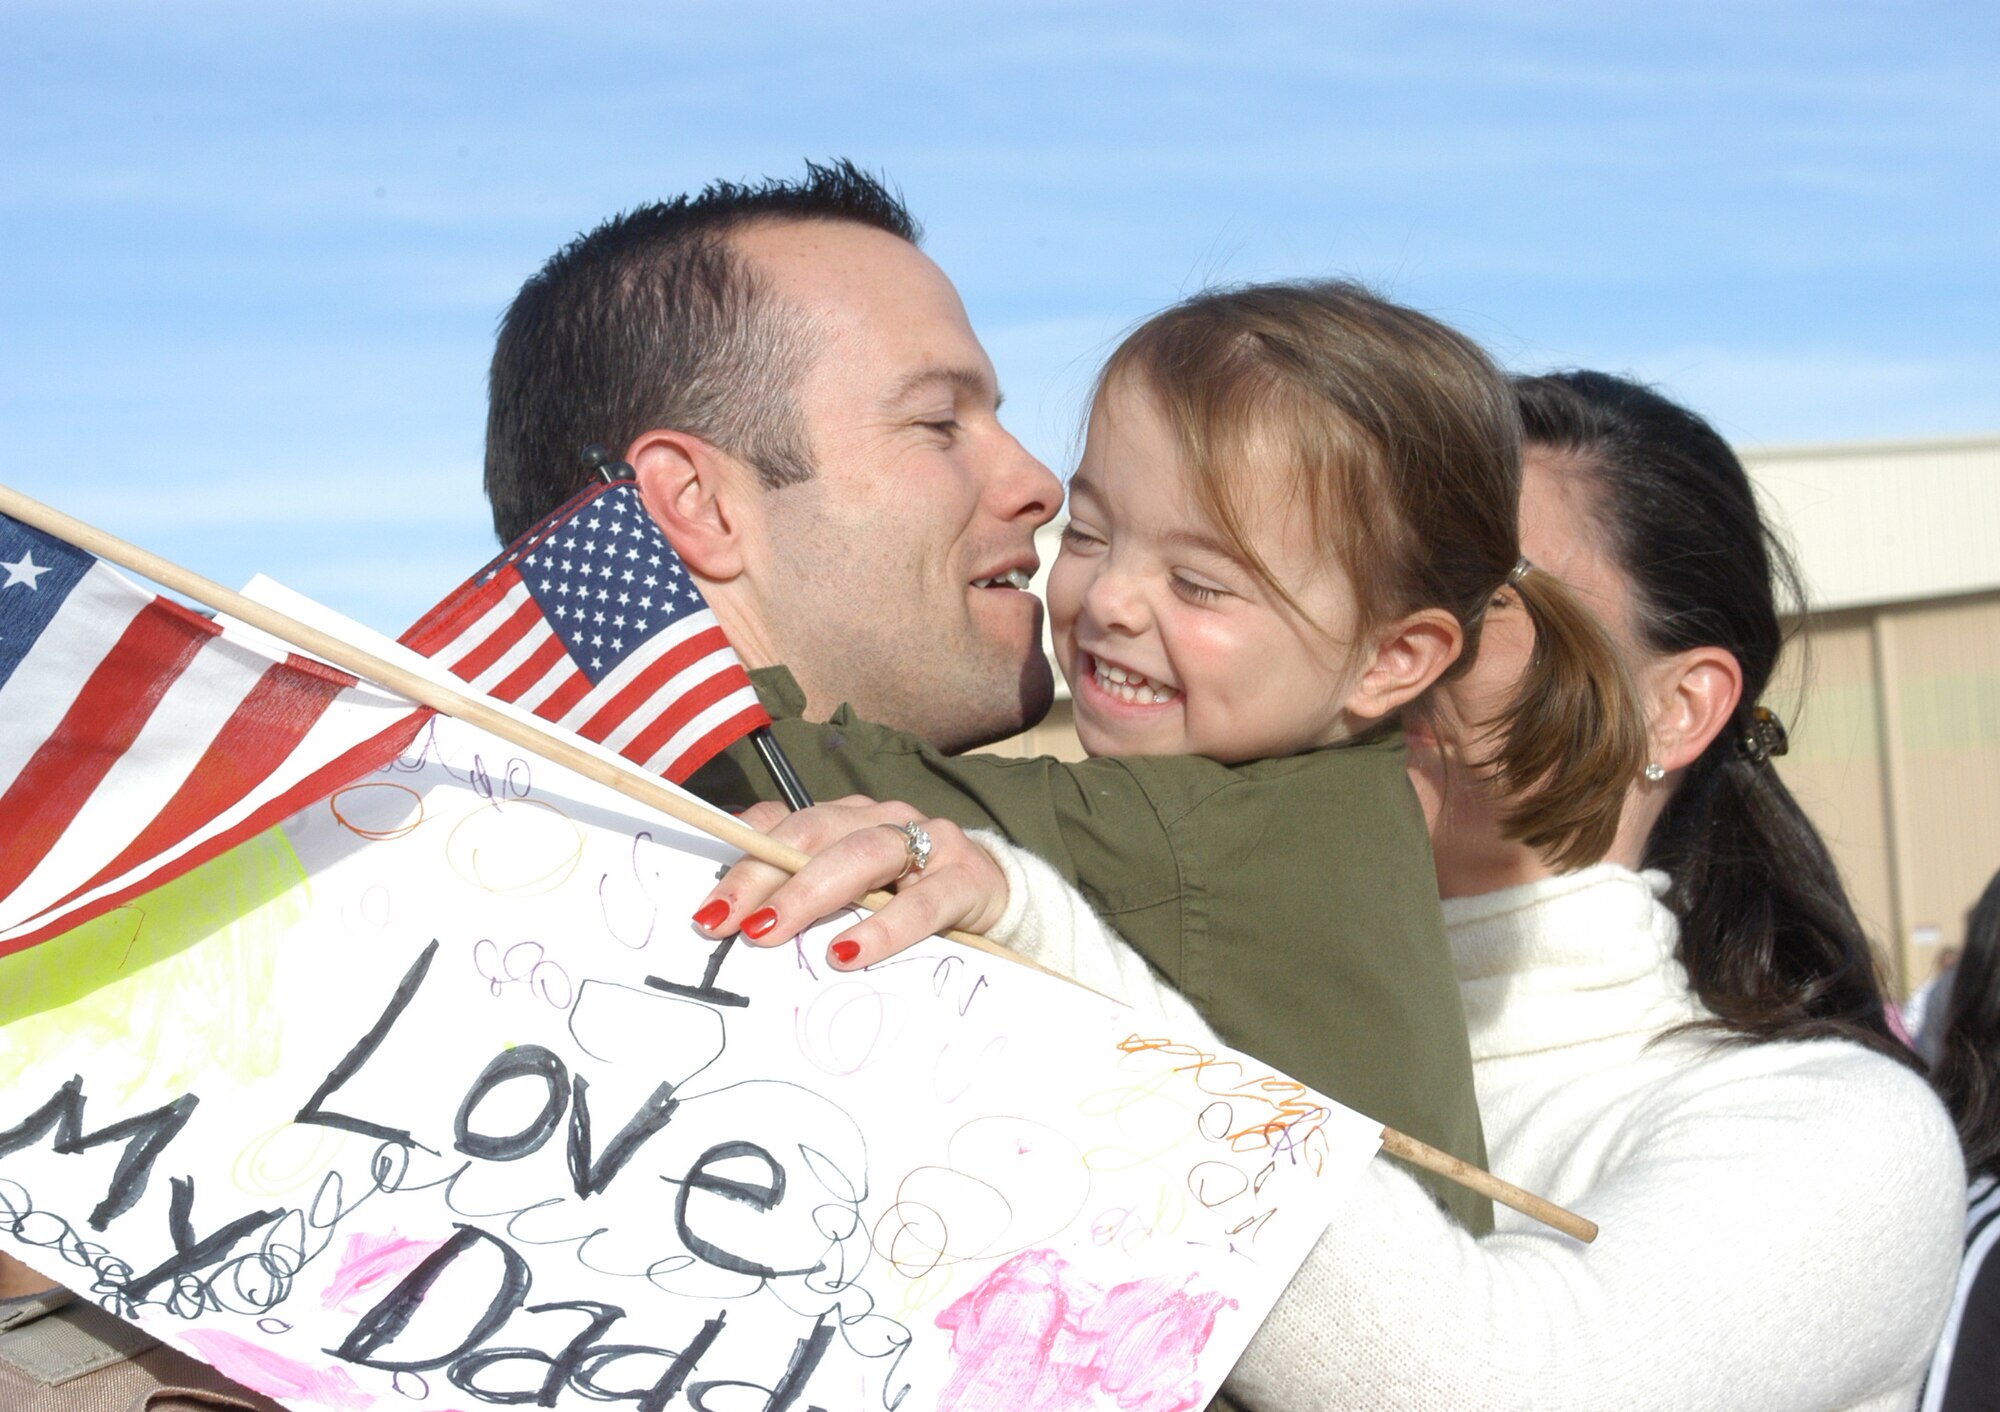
{"x": 1295, "y": 503}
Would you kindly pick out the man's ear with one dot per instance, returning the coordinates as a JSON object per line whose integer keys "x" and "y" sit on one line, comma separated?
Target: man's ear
{"x": 698, "y": 495}
{"x": 1692, "y": 696}
{"x": 1410, "y": 654}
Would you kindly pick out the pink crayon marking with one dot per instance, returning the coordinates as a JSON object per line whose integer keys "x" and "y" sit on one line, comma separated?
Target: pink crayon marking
{"x": 274, "y": 1375}
{"x": 1152, "y": 1333}
{"x": 370, "y": 1264}
{"x": 1034, "y": 1338}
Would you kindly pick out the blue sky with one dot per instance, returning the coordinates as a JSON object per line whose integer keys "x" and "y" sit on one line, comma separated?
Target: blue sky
{"x": 255, "y": 253}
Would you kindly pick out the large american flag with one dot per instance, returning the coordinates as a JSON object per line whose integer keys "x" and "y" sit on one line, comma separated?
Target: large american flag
{"x": 590, "y": 620}
{"x": 139, "y": 739}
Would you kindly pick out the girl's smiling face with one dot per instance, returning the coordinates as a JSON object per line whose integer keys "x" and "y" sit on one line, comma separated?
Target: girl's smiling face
{"x": 1171, "y": 645}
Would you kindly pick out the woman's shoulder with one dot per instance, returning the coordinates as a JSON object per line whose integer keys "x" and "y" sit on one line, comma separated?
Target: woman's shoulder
{"x": 1818, "y": 1154}
{"x": 1808, "y": 1069}
{"x": 1831, "y": 1103}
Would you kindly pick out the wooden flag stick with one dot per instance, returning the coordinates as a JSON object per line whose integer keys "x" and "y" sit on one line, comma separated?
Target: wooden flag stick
{"x": 548, "y": 742}
{"x": 553, "y": 744}
{"x": 1422, "y": 1154}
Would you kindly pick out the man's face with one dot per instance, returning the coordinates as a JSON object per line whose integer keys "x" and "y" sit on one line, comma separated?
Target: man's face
{"x": 896, "y": 579}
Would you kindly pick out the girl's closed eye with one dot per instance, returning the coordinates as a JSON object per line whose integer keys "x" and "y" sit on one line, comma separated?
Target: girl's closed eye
{"x": 1195, "y": 590}
{"x": 1074, "y": 536}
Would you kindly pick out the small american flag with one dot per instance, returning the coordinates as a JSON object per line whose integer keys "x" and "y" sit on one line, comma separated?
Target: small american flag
{"x": 590, "y": 620}
{"x": 139, "y": 739}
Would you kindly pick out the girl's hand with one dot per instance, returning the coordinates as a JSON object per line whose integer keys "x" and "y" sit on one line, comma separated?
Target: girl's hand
{"x": 856, "y": 846}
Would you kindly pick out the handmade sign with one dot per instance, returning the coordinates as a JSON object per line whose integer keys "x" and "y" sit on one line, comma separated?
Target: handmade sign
{"x": 433, "y": 1099}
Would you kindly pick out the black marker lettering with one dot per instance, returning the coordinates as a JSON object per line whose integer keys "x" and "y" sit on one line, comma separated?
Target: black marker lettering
{"x": 364, "y": 1049}
{"x": 761, "y": 1198}
{"x": 805, "y": 1358}
{"x": 191, "y": 1254}
{"x": 708, "y": 990}
{"x": 591, "y": 1176}
{"x": 392, "y": 1313}
{"x": 529, "y": 1061}
{"x": 148, "y": 1134}
{"x": 662, "y": 1392}
{"x": 465, "y": 1372}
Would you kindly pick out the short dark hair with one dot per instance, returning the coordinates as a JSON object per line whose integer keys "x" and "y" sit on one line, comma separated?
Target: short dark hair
{"x": 652, "y": 320}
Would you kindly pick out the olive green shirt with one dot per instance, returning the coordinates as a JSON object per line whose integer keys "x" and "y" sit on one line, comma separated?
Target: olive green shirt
{"x": 1291, "y": 900}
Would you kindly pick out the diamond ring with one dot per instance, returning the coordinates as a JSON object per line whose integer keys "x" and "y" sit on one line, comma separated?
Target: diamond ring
{"x": 917, "y": 839}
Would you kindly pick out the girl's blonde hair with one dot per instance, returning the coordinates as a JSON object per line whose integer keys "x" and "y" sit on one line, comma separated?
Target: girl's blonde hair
{"x": 1401, "y": 446}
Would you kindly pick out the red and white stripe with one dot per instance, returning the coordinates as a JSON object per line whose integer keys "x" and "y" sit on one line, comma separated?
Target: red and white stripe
{"x": 141, "y": 739}
{"x": 669, "y": 707}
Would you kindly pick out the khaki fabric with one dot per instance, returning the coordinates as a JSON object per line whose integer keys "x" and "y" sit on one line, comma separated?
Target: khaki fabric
{"x": 60, "y": 1354}
{"x": 1292, "y": 900}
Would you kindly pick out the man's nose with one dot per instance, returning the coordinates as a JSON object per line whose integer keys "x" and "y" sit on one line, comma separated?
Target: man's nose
{"x": 1024, "y": 487}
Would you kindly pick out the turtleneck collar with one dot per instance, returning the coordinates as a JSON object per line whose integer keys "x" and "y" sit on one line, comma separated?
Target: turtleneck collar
{"x": 1568, "y": 960}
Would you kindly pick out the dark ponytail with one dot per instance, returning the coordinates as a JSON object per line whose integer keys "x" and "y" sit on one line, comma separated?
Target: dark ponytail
{"x": 1967, "y": 1073}
{"x": 1770, "y": 942}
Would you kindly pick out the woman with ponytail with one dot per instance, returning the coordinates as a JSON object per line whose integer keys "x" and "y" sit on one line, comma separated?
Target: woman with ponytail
{"x": 1687, "y": 1041}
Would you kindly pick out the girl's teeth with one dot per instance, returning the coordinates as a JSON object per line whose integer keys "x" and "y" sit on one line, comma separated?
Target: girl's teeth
{"x": 1130, "y": 686}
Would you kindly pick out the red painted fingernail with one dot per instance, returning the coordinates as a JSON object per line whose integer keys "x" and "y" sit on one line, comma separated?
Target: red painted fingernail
{"x": 845, "y": 951}
{"x": 759, "y": 922}
{"x": 710, "y": 917}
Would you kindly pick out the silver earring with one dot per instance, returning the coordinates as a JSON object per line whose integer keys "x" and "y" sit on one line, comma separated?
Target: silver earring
{"x": 1654, "y": 771}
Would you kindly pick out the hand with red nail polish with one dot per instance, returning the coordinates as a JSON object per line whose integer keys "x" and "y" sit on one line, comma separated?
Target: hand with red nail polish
{"x": 857, "y": 845}
{"x": 712, "y": 915}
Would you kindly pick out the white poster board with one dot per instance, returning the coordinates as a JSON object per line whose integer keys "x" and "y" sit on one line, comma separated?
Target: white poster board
{"x": 435, "y": 1100}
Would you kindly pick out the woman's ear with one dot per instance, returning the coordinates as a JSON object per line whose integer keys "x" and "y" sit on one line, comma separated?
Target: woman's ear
{"x": 697, "y": 494}
{"x": 1410, "y": 654}
{"x": 1692, "y": 697}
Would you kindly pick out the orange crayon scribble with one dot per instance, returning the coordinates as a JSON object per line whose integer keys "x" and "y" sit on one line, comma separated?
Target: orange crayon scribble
{"x": 1296, "y": 1121}
{"x": 356, "y": 793}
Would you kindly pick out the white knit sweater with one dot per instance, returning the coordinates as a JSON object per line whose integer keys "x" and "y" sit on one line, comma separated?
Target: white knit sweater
{"x": 1780, "y": 1222}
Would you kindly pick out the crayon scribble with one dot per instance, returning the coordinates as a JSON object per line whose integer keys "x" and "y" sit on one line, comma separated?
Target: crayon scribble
{"x": 518, "y": 849}
{"x": 256, "y": 1367}
{"x": 379, "y": 811}
{"x": 370, "y": 1266}
{"x": 1035, "y": 1338}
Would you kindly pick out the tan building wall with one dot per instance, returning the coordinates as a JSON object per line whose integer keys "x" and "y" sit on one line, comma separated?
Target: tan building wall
{"x": 1896, "y": 756}
{"x": 1896, "y": 750}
